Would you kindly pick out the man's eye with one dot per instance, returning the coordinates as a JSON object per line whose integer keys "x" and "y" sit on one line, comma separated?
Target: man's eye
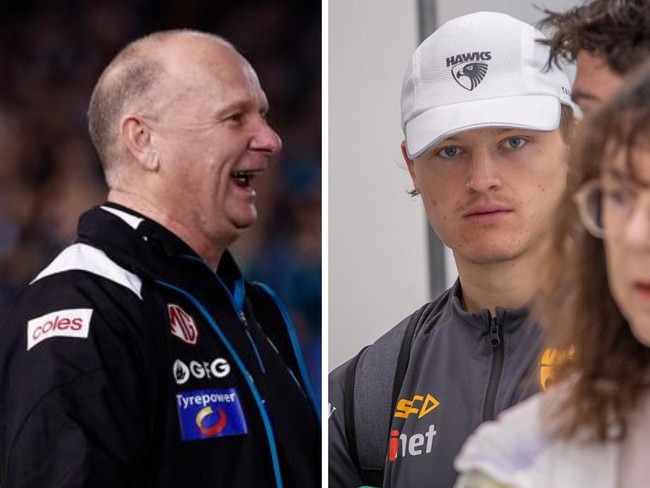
{"x": 448, "y": 152}
{"x": 237, "y": 119}
{"x": 515, "y": 142}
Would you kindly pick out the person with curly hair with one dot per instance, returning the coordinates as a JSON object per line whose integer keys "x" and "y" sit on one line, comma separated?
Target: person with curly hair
{"x": 606, "y": 39}
{"x": 592, "y": 428}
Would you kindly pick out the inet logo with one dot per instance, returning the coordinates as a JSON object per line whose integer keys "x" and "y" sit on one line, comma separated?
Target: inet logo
{"x": 403, "y": 445}
{"x": 419, "y": 405}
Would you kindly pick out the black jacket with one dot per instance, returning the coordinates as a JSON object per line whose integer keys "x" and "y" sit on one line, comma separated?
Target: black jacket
{"x": 463, "y": 369}
{"x": 128, "y": 362}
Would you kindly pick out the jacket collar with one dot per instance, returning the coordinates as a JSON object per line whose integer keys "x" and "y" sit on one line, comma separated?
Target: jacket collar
{"x": 143, "y": 245}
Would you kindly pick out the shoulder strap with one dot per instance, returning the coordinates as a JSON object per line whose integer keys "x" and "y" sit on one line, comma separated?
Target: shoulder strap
{"x": 348, "y": 408}
{"x": 370, "y": 396}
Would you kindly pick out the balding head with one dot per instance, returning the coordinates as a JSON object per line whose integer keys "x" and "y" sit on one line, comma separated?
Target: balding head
{"x": 131, "y": 82}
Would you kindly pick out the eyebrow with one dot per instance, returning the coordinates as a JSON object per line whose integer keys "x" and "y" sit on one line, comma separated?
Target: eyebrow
{"x": 622, "y": 177}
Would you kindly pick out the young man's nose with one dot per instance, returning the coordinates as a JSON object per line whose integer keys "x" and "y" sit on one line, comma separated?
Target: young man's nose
{"x": 483, "y": 172}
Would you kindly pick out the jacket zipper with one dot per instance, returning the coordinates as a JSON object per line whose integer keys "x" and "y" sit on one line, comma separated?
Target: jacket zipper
{"x": 247, "y": 329}
{"x": 237, "y": 302}
{"x": 496, "y": 341}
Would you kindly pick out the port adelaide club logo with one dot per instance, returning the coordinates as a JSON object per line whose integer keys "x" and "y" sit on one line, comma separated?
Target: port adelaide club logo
{"x": 469, "y": 69}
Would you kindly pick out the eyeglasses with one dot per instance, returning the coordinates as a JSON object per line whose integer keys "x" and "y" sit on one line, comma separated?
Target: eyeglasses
{"x": 589, "y": 200}
{"x": 605, "y": 208}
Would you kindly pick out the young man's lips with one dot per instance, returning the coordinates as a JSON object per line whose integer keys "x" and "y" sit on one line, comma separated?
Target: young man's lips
{"x": 486, "y": 213}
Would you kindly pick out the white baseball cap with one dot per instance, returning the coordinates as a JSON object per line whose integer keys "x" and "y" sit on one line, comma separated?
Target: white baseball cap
{"x": 485, "y": 69}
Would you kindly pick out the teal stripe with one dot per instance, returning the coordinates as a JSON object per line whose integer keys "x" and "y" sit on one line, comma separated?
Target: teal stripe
{"x": 302, "y": 366}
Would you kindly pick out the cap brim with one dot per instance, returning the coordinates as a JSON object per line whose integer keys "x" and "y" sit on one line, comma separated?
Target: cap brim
{"x": 532, "y": 112}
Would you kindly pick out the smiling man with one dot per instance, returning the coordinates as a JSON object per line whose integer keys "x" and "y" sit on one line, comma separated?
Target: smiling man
{"x": 140, "y": 356}
{"x": 486, "y": 128}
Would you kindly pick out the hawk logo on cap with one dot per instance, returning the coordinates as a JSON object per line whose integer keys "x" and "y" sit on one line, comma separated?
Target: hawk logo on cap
{"x": 469, "y": 75}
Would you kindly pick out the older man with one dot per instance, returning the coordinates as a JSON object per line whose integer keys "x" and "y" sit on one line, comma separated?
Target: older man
{"x": 140, "y": 356}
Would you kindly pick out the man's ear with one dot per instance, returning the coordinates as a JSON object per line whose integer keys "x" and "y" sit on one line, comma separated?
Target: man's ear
{"x": 137, "y": 137}
{"x": 411, "y": 167}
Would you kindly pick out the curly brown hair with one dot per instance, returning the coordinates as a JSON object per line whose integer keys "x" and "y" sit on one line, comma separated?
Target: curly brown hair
{"x": 608, "y": 367}
{"x": 617, "y": 30}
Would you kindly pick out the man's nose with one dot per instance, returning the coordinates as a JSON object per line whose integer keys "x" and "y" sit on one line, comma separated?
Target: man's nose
{"x": 483, "y": 172}
{"x": 266, "y": 139}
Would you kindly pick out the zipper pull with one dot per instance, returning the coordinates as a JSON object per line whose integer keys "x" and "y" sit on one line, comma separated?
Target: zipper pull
{"x": 495, "y": 340}
{"x": 243, "y": 320}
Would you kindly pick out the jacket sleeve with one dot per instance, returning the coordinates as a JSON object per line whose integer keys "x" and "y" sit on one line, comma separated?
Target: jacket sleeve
{"x": 72, "y": 413}
{"x": 342, "y": 471}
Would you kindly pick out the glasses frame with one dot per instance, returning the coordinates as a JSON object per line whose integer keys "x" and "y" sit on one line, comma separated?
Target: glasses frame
{"x": 582, "y": 201}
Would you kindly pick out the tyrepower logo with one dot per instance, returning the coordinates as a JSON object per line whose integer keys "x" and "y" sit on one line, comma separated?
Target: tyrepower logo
{"x": 210, "y": 413}
{"x": 418, "y": 405}
{"x": 218, "y": 368}
{"x": 415, "y": 445}
{"x": 74, "y": 322}
{"x": 182, "y": 324}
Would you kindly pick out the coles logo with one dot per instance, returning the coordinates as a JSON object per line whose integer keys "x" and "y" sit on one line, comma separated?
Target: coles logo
{"x": 182, "y": 324}
{"x": 73, "y": 322}
{"x": 218, "y": 368}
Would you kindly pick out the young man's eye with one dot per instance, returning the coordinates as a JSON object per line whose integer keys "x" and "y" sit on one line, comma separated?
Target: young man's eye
{"x": 448, "y": 152}
{"x": 515, "y": 142}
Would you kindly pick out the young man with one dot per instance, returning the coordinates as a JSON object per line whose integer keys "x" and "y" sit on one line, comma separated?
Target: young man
{"x": 140, "y": 356}
{"x": 486, "y": 127}
{"x": 606, "y": 39}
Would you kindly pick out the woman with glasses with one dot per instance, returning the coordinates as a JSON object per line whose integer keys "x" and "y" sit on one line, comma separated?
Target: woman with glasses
{"x": 592, "y": 429}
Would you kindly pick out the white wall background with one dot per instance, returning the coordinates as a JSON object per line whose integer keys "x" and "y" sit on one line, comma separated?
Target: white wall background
{"x": 377, "y": 256}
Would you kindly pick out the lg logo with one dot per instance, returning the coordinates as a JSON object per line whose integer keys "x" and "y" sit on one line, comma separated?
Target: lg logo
{"x": 218, "y": 368}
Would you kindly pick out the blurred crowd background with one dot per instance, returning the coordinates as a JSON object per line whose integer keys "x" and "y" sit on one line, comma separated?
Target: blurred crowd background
{"x": 51, "y": 53}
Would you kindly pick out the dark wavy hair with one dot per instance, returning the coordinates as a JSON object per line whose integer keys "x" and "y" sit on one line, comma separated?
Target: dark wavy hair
{"x": 618, "y": 30}
{"x": 608, "y": 367}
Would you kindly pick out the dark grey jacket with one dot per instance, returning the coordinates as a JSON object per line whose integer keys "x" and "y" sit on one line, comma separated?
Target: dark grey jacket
{"x": 464, "y": 368}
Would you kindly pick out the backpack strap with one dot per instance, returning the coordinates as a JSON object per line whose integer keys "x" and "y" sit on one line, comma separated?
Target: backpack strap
{"x": 348, "y": 408}
{"x": 371, "y": 396}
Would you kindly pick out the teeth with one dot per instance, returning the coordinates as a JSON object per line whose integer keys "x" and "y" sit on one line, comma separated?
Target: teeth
{"x": 243, "y": 178}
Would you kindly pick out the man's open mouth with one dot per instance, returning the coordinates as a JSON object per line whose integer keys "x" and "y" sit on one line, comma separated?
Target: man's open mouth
{"x": 243, "y": 178}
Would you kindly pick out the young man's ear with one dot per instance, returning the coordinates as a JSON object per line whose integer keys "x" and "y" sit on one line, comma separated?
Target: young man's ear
{"x": 137, "y": 137}
{"x": 411, "y": 168}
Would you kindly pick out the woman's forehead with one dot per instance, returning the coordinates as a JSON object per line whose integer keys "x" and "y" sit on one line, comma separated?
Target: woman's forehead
{"x": 629, "y": 163}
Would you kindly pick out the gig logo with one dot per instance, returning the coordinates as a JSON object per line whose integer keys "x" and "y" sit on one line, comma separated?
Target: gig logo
{"x": 73, "y": 322}
{"x": 415, "y": 445}
{"x": 203, "y": 414}
{"x": 218, "y": 368}
{"x": 467, "y": 69}
{"x": 182, "y": 324}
